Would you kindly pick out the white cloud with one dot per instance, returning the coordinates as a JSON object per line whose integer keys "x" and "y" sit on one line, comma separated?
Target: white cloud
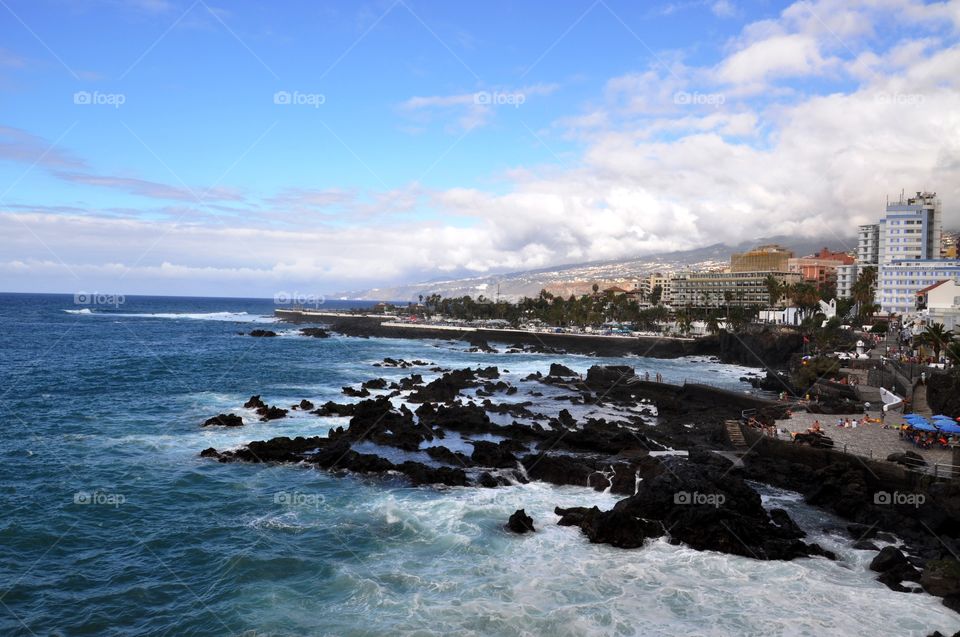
{"x": 775, "y": 57}
{"x": 653, "y": 175}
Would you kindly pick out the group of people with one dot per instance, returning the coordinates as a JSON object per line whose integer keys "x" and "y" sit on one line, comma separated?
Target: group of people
{"x": 767, "y": 430}
{"x": 658, "y": 377}
{"x": 925, "y": 439}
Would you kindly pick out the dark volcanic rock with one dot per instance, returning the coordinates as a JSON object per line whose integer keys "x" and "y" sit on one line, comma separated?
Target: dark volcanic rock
{"x": 224, "y": 420}
{"x": 376, "y": 420}
{"x": 446, "y": 456}
{"x": 609, "y": 379}
{"x": 701, "y": 506}
{"x": 271, "y": 413}
{"x": 315, "y": 332}
{"x": 520, "y": 522}
{"x": 446, "y": 388}
{"x": 421, "y": 474}
{"x": 262, "y": 333}
{"x": 907, "y": 458}
{"x": 305, "y": 404}
{"x": 355, "y": 393}
{"x": 941, "y": 578}
{"x": 894, "y": 568}
{"x": 478, "y": 344}
{"x": 376, "y": 383}
{"x": 558, "y": 469}
{"x": 457, "y": 417}
{"x": 331, "y": 408}
{"x": 491, "y": 454}
{"x": 556, "y": 369}
{"x": 254, "y": 403}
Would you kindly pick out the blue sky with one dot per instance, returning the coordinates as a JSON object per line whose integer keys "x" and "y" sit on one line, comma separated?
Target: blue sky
{"x": 448, "y": 138}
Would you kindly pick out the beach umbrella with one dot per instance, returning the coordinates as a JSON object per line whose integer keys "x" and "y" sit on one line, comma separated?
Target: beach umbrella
{"x": 949, "y": 427}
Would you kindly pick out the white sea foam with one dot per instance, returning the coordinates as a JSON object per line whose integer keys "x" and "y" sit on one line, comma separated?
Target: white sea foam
{"x": 236, "y": 317}
{"x": 473, "y": 577}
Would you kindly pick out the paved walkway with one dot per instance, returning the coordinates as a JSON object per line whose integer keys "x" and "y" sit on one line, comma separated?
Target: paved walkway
{"x": 870, "y": 440}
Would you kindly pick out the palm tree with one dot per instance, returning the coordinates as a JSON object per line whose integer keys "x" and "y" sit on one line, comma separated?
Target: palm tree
{"x": 684, "y": 322}
{"x": 952, "y": 352}
{"x": 864, "y": 290}
{"x": 774, "y": 288}
{"x": 805, "y": 296}
{"x": 937, "y": 336}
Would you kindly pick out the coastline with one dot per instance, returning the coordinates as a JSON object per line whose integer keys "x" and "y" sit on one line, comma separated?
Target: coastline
{"x": 764, "y": 349}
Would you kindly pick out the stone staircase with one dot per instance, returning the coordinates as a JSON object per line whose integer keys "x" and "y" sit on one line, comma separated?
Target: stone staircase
{"x": 736, "y": 436}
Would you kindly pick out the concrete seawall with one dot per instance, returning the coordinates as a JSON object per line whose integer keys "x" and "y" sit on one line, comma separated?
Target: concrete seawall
{"x": 600, "y": 345}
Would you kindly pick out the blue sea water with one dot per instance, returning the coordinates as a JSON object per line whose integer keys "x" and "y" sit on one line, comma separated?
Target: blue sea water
{"x": 113, "y": 525}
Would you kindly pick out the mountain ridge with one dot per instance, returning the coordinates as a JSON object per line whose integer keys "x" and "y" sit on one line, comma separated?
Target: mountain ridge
{"x": 576, "y": 278}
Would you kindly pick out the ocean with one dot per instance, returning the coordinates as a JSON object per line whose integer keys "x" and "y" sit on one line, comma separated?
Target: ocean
{"x": 113, "y": 525}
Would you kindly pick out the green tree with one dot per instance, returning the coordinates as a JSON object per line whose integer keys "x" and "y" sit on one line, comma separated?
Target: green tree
{"x": 937, "y": 337}
{"x": 864, "y": 291}
{"x": 952, "y": 352}
{"x": 775, "y": 289}
{"x": 804, "y": 296}
{"x": 656, "y": 294}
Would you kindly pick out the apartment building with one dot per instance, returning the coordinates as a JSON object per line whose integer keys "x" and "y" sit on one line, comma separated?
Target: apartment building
{"x": 720, "y": 289}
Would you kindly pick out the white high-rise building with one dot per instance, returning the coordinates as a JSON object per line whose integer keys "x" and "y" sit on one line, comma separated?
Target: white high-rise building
{"x": 908, "y": 251}
{"x": 846, "y": 277}
{"x": 868, "y": 244}
{"x": 911, "y": 230}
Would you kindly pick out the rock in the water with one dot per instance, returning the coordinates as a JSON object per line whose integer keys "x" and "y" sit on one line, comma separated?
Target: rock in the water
{"x": 556, "y": 369}
{"x": 271, "y": 413}
{"x": 262, "y": 333}
{"x": 224, "y": 420}
{"x": 520, "y": 522}
{"x": 315, "y": 332}
{"x": 254, "y": 403}
{"x": 491, "y": 454}
{"x": 376, "y": 383}
{"x": 941, "y": 578}
{"x": 894, "y": 568}
{"x": 703, "y": 507}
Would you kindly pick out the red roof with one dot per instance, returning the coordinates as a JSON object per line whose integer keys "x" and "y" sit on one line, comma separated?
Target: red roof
{"x": 930, "y": 287}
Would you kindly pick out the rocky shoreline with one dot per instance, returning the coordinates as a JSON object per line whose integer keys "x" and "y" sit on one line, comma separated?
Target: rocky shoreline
{"x": 703, "y": 500}
{"x": 766, "y": 346}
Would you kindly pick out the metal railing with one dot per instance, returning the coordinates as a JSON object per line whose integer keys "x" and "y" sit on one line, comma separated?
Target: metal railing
{"x": 937, "y": 469}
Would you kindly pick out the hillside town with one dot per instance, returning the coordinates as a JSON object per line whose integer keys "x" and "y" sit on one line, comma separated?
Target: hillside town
{"x": 904, "y": 269}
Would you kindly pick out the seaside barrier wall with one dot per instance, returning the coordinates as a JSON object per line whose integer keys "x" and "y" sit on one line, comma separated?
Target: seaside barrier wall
{"x": 888, "y": 475}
